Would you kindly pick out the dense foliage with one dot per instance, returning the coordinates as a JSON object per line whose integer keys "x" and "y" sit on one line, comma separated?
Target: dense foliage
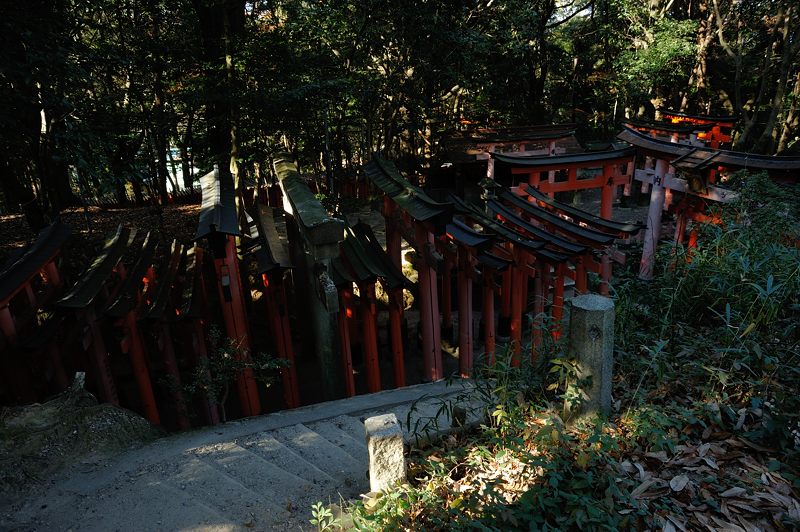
{"x": 114, "y": 96}
{"x": 706, "y": 424}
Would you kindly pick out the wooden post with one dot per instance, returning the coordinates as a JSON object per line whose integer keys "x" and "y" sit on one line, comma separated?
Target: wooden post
{"x": 278, "y": 311}
{"x": 393, "y": 239}
{"x": 199, "y": 344}
{"x": 464, "y": 311}
{"x": 7, "y": 324}
{"x": 134, "y": 346}
{"x": 447, "y": 299}
{"x": 105, "y": 380}
{"x": 429, "y": 307}
{"x": 488, "y": 316}
{"x": 607, "y": 192}
{"x": 396, "y": 334}
{"x": 558, "y": 300}
{"x": 504, "y": 324}
{"x": 232, "y": 303}
{"x": 551, "y": 175}
{"x": 345, "y": 316}
{"x": 171, "y": 367}
{"x": 370, "y": 336}
{"x": 517, "y": 303}
{"x": 653, "y": 230}
{"x": 605, "y": 272}
{"x": 580, "y": 275}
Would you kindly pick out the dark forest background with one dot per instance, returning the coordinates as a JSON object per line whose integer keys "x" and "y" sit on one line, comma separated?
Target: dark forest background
{"x": 108, "y": 97}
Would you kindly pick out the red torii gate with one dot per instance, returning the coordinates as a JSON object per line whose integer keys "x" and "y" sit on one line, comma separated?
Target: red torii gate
{"x": 717, "y": 134}
{"x": 410, "y": 212}
{"x": 698, "y": 164}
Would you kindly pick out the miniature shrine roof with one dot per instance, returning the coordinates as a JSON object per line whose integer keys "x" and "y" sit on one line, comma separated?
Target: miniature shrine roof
{"x": 564, "y": 226}
{"x": 413, "y": 200}
{"x": 669, "y": 127}
{"x": 126, "y": 299}
{"x": 511, "y": 235}
{"x": 18, "y": 271}
{"x": 218, "y": 208}
{"x": 92, "y": 280}
{"x": 513, "y": 134}
{"x": 585, "y": 158}
{"x": 553, "y": 240}
{"x": 706, "y": 118}
{"x": 581, "y": 215}
{"x": 167, "y": 274}
{"x": 725, "y": 158}
{"x": 464, "y": 234}
{"x": 272, "y": 252}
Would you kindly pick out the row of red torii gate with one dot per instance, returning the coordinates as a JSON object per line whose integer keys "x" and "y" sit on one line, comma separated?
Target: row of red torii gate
{"x": 282, "y": 259}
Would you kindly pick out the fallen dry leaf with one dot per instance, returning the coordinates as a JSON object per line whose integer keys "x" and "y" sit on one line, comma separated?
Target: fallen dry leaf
{"x": 679, "y": 482}
{"x": 733, "y": 492}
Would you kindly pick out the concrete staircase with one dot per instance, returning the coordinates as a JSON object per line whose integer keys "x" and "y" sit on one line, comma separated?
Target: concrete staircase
{"x": 262, "y": 473}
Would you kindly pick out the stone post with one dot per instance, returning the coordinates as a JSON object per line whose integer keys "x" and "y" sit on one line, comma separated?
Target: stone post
{"x": 387, "y": 463}
{"x": 591, "y": 344}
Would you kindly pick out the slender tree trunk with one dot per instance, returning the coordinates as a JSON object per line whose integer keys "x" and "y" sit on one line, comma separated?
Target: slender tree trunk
{"x": 766, "y": 142}
{"x": 697, "y": 79}
{"x": 185, "y": 142}
{"x": 792, "y": 120}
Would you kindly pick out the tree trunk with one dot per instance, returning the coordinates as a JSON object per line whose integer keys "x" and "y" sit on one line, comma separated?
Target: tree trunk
{"x": 705, "y": 36}
{"x": 789, "y": 46}
{"x": 221, "y": 22}
{"x": 185, "y": 142}
{"x": 792, "y": 120}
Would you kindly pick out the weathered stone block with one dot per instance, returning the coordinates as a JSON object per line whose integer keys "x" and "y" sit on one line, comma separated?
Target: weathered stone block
{"x": 591, "y": 343}
{"x": 387, "y": 463}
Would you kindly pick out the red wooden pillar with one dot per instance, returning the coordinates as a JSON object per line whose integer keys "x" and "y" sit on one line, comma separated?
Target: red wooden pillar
{"x": 199, "y": 344}
{"x": 429, "y": 307}
{"x": 540, "y": 293}
{"x": 580, "y": 274}
{"x": 53, "y": 275}
{"x": 488, "y": 316}
{"x": 464, "y": 312}
{"x": 393, "y": 240}
{"x": 369, "y": 330}
{"x": 396, "y": 335}
{"x": 7, "y": 324}
{"x": 233, "y": 311}
{"x": 167, "y": 348}
{"x": 558, "y": 300}
{"x": 105, "y": 380}
{"x": 133, "y": 345}
{"x": 393, "y": 250}
{"x": 447, "y": 298}
{"x": 680, "y": 227}
{"x": 345, "y": 316}
{"x": 551, "y": 175}
{"x": 605, "y": 272}
{"x": 607, "y": 192}
{"x": 505, "y": 301}
{"x": 517, "y": 303}
{"x": 278, "y": 313}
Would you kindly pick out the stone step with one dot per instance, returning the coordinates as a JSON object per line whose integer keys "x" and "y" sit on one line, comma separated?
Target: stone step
{"x": 255, "y": 473}
{"x": 223, "y": 493}
{"x": 342, "y": 435}
{"x": 350, "y": 474}
{"x": 265, "y": 445}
